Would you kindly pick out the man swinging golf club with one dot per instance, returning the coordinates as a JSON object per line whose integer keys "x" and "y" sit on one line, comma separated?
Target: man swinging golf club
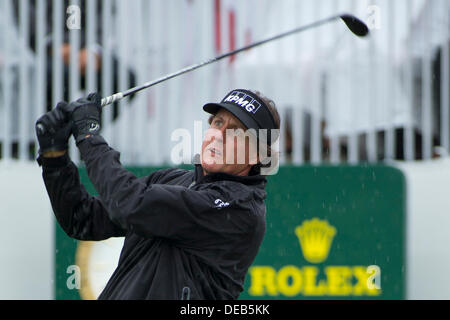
{"x": 189, "y": 234}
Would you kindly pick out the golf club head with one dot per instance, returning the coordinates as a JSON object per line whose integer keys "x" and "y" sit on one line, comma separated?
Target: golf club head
{"x": 355, "y": 25}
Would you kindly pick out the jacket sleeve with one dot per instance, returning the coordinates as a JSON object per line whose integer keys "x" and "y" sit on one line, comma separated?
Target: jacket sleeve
{"x": 191, "y": 216}
{"x": 79, "y": 214}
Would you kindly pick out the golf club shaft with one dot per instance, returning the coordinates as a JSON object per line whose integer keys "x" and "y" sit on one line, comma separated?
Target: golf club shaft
{"x": 355, "y": 25}
{"x": 346, "y": 17}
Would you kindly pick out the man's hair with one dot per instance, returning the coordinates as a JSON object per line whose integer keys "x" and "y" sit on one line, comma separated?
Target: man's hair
{"x": 273, "y": 154}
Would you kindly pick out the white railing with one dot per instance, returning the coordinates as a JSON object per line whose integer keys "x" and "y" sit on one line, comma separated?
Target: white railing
{"x": 341, "y": 99}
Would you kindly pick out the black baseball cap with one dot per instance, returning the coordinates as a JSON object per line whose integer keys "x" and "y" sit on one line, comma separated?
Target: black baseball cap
{"x": 249, "y": 109}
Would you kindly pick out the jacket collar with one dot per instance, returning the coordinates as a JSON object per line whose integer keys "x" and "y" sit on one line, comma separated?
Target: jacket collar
{"x": 253, "y": 179}
{"x": 220, "y": 176}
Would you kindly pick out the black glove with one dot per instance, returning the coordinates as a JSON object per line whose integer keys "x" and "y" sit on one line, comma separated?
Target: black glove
{"x": 53, "y": 130}
{"x": 85, "y": 115}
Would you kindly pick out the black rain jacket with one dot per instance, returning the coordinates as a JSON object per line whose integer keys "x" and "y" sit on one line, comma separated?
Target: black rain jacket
{"x": 186, "y": 235}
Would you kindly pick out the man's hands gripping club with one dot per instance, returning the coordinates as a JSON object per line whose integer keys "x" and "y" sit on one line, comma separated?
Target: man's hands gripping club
{"x": 54, "y": 141}
{"x": 84, "y": 115}
{"x": 80, "y": 118}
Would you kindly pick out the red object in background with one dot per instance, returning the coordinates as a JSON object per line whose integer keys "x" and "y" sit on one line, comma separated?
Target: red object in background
{"x": 248, "y": 37}
{"x": 232, "y": 32}
{"x": 217, "y": 31}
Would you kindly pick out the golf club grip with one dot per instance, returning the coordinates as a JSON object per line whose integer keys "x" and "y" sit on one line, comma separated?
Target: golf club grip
{"x": 40, "y": 128}
{"x": 112, "y": 99}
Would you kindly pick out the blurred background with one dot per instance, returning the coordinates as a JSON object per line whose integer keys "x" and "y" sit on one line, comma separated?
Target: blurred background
{"x": 345, "y": 102}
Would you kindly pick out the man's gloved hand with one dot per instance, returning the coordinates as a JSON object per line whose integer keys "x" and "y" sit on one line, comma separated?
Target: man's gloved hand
{"x": 84, "y": 115}
{"x": 57, "y": 131}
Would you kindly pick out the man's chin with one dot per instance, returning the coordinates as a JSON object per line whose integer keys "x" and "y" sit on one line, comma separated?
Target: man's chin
{"x": 211, "y": 167}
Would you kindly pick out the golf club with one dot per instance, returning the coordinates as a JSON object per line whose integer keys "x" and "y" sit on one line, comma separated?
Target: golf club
{"x": 355, "y": 25}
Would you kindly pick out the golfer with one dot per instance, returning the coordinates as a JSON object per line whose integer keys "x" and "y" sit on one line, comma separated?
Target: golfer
{"x": 189, "y": 234}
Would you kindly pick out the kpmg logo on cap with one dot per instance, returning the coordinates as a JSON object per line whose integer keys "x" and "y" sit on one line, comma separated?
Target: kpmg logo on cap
{"x": 243, "y": 100}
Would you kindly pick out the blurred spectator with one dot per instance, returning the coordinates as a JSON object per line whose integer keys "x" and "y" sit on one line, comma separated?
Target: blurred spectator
{"x": 65, "y": 49}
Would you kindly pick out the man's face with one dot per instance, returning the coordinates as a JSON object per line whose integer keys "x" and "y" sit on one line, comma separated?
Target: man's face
{"x": 226, "y": 147}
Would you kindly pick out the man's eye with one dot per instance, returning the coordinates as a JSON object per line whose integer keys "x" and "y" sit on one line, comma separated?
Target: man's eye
{"x": 217, "y": 122}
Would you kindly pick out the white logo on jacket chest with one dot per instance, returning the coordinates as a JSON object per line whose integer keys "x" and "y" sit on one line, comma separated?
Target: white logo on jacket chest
{"x": 220, "y": 204}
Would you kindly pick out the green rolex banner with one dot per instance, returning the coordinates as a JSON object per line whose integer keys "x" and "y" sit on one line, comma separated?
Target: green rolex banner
{"x": 333, "y": 232}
